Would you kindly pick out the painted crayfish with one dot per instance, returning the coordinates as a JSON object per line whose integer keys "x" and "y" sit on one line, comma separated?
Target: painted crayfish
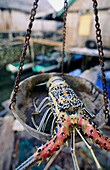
{"x": 70, "y": 115}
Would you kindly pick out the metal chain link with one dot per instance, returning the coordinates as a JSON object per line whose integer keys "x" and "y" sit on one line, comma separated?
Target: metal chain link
{"x": 64, "y": 33}
{"x": 22, "y": 58}
{"x": 101, "y": 54}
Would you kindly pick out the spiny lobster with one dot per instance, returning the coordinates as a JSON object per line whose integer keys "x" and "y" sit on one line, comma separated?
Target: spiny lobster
{"x": 71, "y": 115}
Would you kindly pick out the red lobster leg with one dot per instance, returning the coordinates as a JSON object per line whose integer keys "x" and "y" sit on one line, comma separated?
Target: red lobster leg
{"x": 89, "y": 129}
{"x": 59, "y": 137}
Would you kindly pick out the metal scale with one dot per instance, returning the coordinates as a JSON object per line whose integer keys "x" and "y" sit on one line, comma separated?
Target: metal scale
{"x": 24, "y": 92}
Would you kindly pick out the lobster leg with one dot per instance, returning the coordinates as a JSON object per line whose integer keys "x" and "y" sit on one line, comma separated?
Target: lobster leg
{"x": 42, "y": 124}
{"x": 42, "y": 121}
{"x": 34, "y": 123}
{"x": 39, "y": 109}
{"x": 87, "y": 112}
{"x": 52, "y": 127}
{"x": 73, "y": 150}
{"x": 90, "y": 148}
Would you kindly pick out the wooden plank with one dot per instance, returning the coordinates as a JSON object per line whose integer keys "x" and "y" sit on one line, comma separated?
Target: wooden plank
{"x": 85, "y": 51}
{"x": 43, "y": 41}
{"x": 6, "y": 143}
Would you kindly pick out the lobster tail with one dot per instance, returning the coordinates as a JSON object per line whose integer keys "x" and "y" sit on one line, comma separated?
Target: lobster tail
{"x": 89, "y": 128}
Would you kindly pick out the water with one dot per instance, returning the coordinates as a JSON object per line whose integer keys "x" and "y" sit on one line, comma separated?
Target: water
{"x": 6, "y": 86}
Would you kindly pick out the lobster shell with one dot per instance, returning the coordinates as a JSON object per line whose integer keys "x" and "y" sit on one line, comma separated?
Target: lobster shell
{"x": 88, "y": 93}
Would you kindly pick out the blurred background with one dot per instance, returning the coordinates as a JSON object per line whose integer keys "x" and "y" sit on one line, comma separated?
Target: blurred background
{"x": 44, "y": 55}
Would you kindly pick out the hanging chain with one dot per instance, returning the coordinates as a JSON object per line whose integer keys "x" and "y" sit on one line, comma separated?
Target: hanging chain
{"x": 101, "y": 54}
{"x": 22, "y": 58}
{"x": 99, "y": 45}
{"x": 64, "y": 33}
